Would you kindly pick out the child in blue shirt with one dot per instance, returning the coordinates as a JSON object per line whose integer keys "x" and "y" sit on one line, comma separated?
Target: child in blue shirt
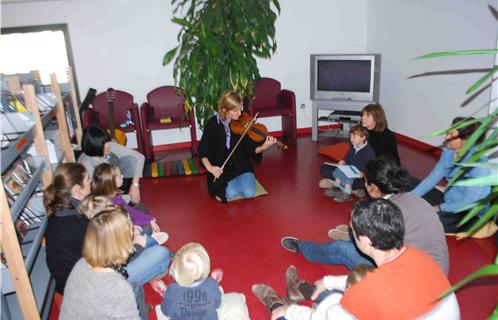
{"x": 359, "y": 153}
{"x": 196, "y": 295}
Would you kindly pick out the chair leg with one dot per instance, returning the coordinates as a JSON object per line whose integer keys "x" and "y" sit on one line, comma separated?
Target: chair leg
{"x": 289, "y": 129}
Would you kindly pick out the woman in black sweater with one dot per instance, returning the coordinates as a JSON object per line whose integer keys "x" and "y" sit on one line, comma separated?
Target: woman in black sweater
{"x": 237, "y": 177}
{"x": 380, "y": 138}
{"x": 66, "y": 226}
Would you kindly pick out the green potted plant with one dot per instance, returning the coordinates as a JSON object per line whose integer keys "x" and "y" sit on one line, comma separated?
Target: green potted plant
{"x": 489, "y": 144}
{"x": 218, "y": 43}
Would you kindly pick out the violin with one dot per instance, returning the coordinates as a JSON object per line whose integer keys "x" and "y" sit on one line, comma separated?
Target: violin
{"x": 257, "y": 132}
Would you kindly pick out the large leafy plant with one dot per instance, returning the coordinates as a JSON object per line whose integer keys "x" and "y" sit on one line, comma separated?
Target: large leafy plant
{"x": 490, "y": 143}
{"x": 219, "y": 41}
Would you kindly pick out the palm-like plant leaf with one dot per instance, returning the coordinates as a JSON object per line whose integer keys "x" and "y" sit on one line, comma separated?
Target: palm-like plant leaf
{"x": 487, "y": 270}
{"x": 456, "y": 53}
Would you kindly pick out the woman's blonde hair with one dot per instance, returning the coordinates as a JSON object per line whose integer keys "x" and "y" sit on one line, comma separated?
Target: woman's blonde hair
{"x": 104, "y": 180}
{"x": 108, "y": 238}
{"x": 229, "y": 101}
{"x": 377, "y": 112}
{"x": 191, "y": 263}
{"x": 93, "y": 204}
{"x": 56, "y": 195}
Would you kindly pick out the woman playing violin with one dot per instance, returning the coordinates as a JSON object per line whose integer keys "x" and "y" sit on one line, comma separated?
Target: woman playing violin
{"x": 218, "y": 141}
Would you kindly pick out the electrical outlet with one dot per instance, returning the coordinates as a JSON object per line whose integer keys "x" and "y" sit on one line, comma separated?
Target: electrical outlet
{"x": 303, "y": 106}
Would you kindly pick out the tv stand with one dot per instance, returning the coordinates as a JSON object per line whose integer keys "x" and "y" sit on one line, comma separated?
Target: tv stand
{"x": 348, "y": 107}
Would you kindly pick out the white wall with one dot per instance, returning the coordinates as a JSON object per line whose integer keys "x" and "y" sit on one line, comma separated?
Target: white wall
{"x": 120, "y": 43}
{"x": 403, "y": 30}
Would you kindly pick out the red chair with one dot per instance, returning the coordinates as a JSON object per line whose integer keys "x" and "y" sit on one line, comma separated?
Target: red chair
{"x": 164, "y": 103}
{"x": 270, "y": 100}
{"x": 124, "y": 107}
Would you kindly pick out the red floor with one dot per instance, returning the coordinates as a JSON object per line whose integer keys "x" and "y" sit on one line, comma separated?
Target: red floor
{"x": 243, "y": 237}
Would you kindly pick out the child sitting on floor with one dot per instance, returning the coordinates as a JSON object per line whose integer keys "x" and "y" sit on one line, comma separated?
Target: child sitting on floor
{"x": 326, "y": 292}
{"x": 359, "y": 153}
{"x": 195, "y": 295}
{"x": 107, "y": 180}
{"x": 92, "y": 205}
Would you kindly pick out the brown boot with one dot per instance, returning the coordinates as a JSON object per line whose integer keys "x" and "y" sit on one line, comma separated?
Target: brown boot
{"x": 293, "y": 281}
{"x": 268, "y": 296}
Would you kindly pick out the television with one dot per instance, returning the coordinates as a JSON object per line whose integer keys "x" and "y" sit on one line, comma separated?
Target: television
{"x": 345, "y": 77}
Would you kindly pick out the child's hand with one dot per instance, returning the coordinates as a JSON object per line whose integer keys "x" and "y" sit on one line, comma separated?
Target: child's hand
{"x": 320, "y": 287}
{"x": 137, "y": 230}
{"x": 134, "y": 194}
{"x": 361, "y": 174}
{"x": 342, "y": 162}
{"x": 140, "y": 240}
{"x": 154, "y": 226}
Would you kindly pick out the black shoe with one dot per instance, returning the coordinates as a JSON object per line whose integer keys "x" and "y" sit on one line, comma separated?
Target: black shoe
{"x": 290, "y": 243}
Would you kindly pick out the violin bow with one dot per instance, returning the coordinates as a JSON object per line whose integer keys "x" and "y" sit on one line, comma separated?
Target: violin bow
{"x": 238, "y": 142}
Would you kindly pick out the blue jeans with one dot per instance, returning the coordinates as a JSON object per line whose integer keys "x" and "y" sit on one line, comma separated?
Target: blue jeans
{"x": 244, "y": 185}
{"x": 338, "y": 174}
{"x": 334, "y": 252}
{"x": 148, "y": 265}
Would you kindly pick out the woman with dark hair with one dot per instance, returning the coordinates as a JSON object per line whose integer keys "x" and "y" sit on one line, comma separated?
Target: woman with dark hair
{"x": 98, "y": 148}
{"x": 454, "y": 198}
{"x": 66, "y": 226}
{"x": 384, "y": 178}
{"x": 380, "y": 138}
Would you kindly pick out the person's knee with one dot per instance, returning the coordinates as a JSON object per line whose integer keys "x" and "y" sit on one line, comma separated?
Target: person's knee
{"x": 127, "y": 166}
{"x": 230, "y": 193}
{"x": 162, "y": 256}
{"x": 249, "y": 192}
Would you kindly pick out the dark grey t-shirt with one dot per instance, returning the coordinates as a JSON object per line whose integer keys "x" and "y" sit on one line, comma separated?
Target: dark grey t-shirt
{"x": 192, "y": 303}
{"x": 422, "y": 227}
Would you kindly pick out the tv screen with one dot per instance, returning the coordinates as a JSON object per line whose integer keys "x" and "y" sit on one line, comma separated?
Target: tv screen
{"x": 344, "y": 75}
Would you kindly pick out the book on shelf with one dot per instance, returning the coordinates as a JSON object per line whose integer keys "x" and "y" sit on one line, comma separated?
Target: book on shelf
{"x": 12, "y": 186}
{"x": 20, "y": 174}
{"x": 349, "y": 170}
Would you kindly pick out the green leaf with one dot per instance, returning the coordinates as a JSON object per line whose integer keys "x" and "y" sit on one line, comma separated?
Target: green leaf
{"x": 485, "y": 123}
{"x": 169, "y": 56}
{"x": 277, "y": 5}
{"x": 488, "y": 215}
{"x": 456, "y": 126}
{"x": 491, "y": 180}
{"x": 182, "y": 22}
{"x": 488, "y": 165}
{"x": 456, "y": 53}
{"x": 487, "y": 270}
{"x": 479, "y": 82}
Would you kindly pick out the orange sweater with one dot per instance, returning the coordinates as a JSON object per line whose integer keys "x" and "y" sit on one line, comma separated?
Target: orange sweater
{"x": 404, "y": 288}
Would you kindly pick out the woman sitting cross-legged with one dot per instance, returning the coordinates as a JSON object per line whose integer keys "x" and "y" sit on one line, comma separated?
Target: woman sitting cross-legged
{"x": 455, "y": 198}
{"x": 97, "y": 287}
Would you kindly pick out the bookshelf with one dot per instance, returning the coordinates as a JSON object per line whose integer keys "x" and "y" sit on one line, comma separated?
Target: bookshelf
{"x": 27, "y": 287}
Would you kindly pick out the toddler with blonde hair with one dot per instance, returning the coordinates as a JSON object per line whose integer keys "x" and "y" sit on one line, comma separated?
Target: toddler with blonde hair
{"x": 196, "y": 295}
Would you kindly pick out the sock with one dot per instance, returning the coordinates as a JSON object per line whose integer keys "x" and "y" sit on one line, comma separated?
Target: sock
{"x": 275, "y": 306}
{"x": 306, "y": 290}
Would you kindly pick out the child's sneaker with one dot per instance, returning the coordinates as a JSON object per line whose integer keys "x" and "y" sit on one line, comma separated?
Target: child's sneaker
{"x": 217, "y": 274}
{"x": 160, "y": 237}
{"x": 326, "y": 183}
{"x": 159, "y": 286}
{"x": 343, "y": 197}
{"x": 333, "y": 192}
